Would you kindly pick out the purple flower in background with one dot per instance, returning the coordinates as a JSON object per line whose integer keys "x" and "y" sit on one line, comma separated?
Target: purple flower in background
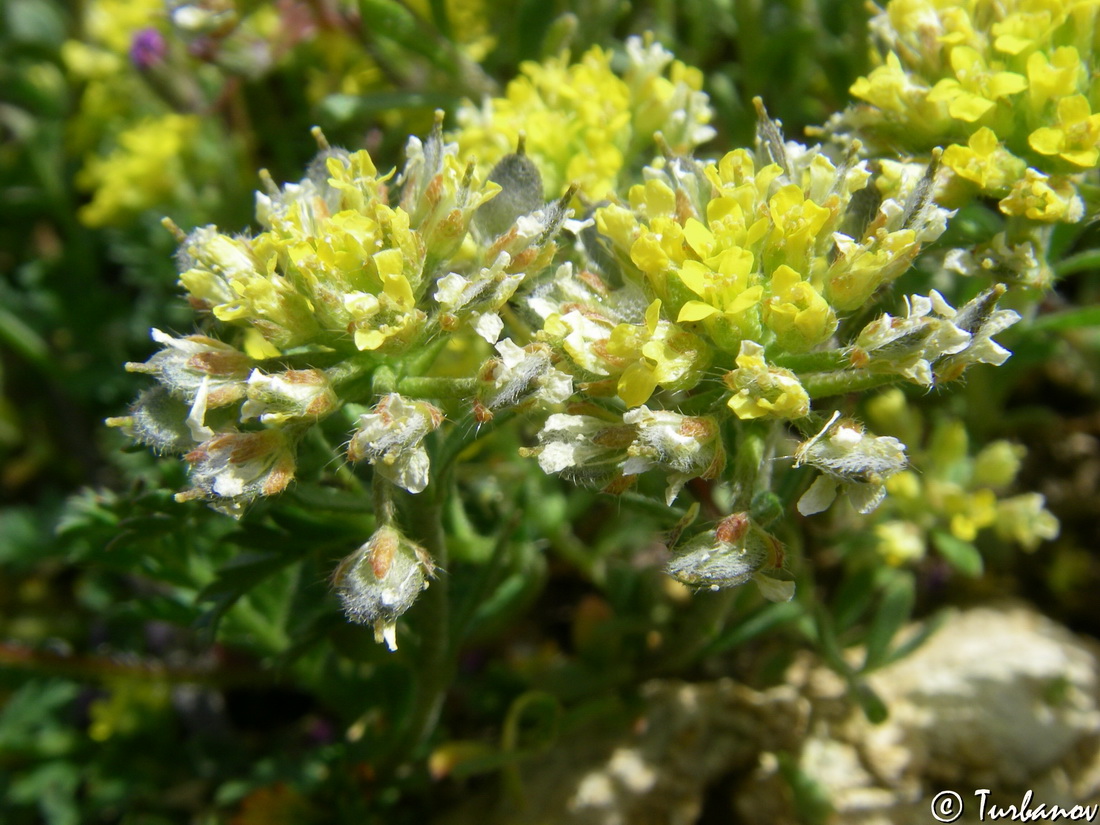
{"x": 148, "y": 48}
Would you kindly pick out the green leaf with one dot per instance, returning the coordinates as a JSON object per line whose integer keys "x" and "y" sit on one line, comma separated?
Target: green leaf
{"x": 895, "y": 608}
{"x": 24, "y": 340}
{"x": 870, "y": 702}
{"x": 961, "y": 555}
{"x": 811, "y": 800}
{"x": 765, "y": 620}
{"x": 1077, "y": 318}
{"x": 53, "y": 786}
{"x": 243, "y": 573}
{"x": 853, "y": 597}
{"x": 926, "y": 631}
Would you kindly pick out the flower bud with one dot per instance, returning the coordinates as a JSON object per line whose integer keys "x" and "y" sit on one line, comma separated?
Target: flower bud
{"x": 731, "y": 553}
{"x": 231, "y": 470}
{"x": 850, "y": 459}
{"x": 282, "y": 396}
{"x": 183, "y": 364}
{"x": 391, "y": 438}
{"x": 761, "y": 390}
{"x": 381, "y": 580}
{"x": 998, "y": 464}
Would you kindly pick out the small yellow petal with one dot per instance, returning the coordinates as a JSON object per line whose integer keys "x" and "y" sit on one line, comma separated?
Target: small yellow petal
{"x": 969, "y": 107}
{"x": 695, "y": 311}
{"x": 1047, "y": 141}
{"x": 696, "y": 277}
{"x": 637, "y": 384}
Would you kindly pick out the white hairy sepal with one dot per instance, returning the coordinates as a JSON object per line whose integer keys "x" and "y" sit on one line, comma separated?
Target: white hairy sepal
{"x": 851, "y": 460}
{"x": 730, "y": 554}
{"x": 391, "y": 436}
{"x": 381, "y": 580}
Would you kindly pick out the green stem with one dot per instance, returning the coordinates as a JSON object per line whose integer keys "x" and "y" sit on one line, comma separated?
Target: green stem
{"x": 824, "y": 361}
{"x": 825, "y": 384}
{"x": 436, "y": 387}
{"x": 751, "y": 442}
{"x": 351, "y": 369}
{"x": 435, "y": 658}
{"x": 385, "y": 510}
{"x": 697, "y": 632}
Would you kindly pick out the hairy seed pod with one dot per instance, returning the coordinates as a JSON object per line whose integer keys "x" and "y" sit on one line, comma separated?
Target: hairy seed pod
{"x": 520, "y": 193}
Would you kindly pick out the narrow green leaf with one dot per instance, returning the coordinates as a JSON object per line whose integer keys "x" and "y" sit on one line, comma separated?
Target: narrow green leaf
{"x": 853, "y": 597}
{"x": 870, "y": 703}
{"x": 930, "y": 626}
{"x": 1077, "y": 318}
{"x": 894, "y": 610}
{"x": 961, "y": 555}
{"x": 765, "y": 620}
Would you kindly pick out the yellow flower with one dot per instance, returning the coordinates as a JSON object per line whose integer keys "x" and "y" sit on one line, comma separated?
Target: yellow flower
{"x": 658, "y": 354}
{"x": 1023, "y": 69}
{"x": 112, "y": 23}
{"x": 796, "y": 312}
{"x": 336, "y": 261}
{"x": 1075, "y": 137}
{"x": 1044, "y": 198}
{"x": 1053, "y": 76}
{"x": 583, "y": 122}
{"x": 888, "y": 86}
{"x": 976, "y": 88}
{"x": 1025, "y": 520}
{"x": 763, "y": 391}
{"x": 145, "y": 169}
{"x": 985, "y": 161}
{"x": 905, "y": 485}
{"x": 970, "y": 513}
{"x": 730, "y": 308}
{"x": 899, "y": 542}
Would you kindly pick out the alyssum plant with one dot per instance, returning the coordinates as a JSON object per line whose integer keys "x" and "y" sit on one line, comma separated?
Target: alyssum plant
{"x": 564, "y": 258}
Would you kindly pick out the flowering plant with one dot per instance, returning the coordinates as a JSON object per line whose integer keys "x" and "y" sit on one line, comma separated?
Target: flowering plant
{"x": 556, "y": 365}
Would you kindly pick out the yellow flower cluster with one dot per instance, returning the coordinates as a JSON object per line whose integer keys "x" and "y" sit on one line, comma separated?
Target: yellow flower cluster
{"x": 954, "y": 493}
{"x": 111, "y": 92}
{"x": 766, "y": 249}
{"x": 585, "y": 124}
{"x": 1007, "y": 86}
{"x": 468, "y": 24}
{"x": 147, "y": 167}
{"x": 337, "y": 265}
